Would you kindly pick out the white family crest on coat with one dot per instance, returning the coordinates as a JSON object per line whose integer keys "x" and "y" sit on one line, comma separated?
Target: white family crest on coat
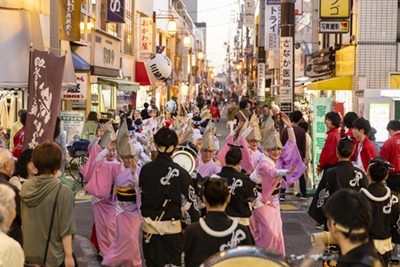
{"x": 356, "y": 180}
{"x": 324, "y": 194}
{"x": 197, "y": 203}
{"x": 235, "y": 184}
{"x": 185, "y": 210}
{"x": 388, "y": 208}
{"x": 237, "y": 236}
{"x": 171, "y": 173}
{"x": 398, "y": 226}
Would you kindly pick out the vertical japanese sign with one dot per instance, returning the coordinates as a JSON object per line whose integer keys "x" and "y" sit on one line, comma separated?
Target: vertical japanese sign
{"x": 334, "y": 9}
{"x": 72, "y": 122}
{"x": 286, "y": 73}
{"x": 321, "y": 106}
{"x": 249, "y": 13}
{"x": 272, "y": 25}
{"x": 45, "y": 79}
{"x": 80, "y": 91}
{"x": 116, "y": 11}
{"x": 261, "y": 82}
{"x": 69, "y": 13}
{"x": 146, "y": 30}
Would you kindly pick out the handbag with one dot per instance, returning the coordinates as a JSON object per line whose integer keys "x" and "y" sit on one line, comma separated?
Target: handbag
{"x": 48, "y": 236}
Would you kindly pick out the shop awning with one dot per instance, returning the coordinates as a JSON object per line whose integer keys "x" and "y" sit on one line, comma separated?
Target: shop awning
{"x": 79, "y": 63}
{"x": 122, "y": 84}
{"x": 334, "y": 84}
{"x": 141, "y": 75}
{"x": 19, "y": 29}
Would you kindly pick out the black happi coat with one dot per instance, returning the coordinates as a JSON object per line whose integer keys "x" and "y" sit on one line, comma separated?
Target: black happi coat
{"x": 364, "y": 255}
{"x": 242, "y": 190}
{"x": 199, "y": 245}
{"x": 197, "y": 181}
{"x": 159, "y": 180}
{"x": 343, "y": 175}
{"x": 385, "y": 212}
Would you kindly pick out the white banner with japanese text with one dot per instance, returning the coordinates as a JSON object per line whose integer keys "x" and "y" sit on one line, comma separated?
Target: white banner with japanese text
{"x": 286, "y": 67}
{"x": 146, "y": 31}
{"x": 272, "y": 25}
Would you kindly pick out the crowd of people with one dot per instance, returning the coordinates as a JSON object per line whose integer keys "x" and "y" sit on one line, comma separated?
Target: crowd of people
{"x": 167, "y": 177}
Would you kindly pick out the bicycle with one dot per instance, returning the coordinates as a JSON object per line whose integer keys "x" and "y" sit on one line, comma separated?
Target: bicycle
{"x": 78, "y": 150}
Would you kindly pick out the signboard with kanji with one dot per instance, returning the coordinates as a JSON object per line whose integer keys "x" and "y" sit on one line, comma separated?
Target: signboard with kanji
{"x": 80, "y": 91}
{"x": 286, "y": 67}
{"x": 333, "y": 26}
{"x": 72, "y": 122}
{"x": 261, "y": 82}
{"x": 321, "y": 106}
{"x": 345, "y": 60}
{"x": 146, "y": 29}
{"x": 249, "y": 13}
{"x": 334, "y": 9}
{"x": 272, "y": 25}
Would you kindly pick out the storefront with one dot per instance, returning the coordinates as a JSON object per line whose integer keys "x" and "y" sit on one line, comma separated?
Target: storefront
{"x": 20, "y": 28}
{"x": 108, "y": 92}
{"x": 144, "y": 95}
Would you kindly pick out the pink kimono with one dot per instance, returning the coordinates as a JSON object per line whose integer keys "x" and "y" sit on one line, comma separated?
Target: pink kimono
{"x": 246, "y": 163}
{"x": 266, "y": 222}
{"x": 104, "y": 201}
{"x": 207, "y": 169}
{"x": 124, "y": 249}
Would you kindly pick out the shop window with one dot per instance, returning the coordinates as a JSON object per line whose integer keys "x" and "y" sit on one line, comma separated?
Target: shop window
{"x": 112, "y": 28}
{"x": 128, "y": 40}
{"x": 93, "y": 7}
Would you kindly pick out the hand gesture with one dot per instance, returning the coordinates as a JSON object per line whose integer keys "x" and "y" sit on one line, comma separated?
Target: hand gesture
{"x": 112, "y": 145}
{"x": 286, "y": 120}
{"x": 254, "y": 123}
{"x": 100, "y": 131}
{"x": 134, "y": 166}
{"x": 291, "y": 170}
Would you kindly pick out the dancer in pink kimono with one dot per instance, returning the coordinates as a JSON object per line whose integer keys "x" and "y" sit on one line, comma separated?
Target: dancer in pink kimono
{"x": 266, "y": 222}
{"x": 205, "y": 165}
{"x": 124, "y": 249}
{"x": 103, "y": 197}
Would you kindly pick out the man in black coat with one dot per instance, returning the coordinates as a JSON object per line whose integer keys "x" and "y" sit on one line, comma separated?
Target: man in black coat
{"x": 6, "y": 169}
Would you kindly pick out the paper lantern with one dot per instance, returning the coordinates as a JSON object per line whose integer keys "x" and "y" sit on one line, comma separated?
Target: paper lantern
{"x": 159, "y": 67}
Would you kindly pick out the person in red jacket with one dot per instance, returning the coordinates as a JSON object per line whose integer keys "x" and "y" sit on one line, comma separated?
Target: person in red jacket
{"x": 348, "y": 120}
{"x": 364, "y": 149}
{"x": 216, "y": 116}
{"x": 328, "y": 158}
{"x": 391, "y": 151}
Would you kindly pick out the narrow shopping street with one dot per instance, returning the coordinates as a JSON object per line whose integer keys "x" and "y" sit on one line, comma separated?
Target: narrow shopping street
{"x": 297, "y": 224}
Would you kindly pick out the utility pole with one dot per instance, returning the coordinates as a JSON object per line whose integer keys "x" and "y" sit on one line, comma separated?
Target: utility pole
{"x": 287, "y": 55}
{"x": 261, "y": 57}
{"x": 247, "y": 62}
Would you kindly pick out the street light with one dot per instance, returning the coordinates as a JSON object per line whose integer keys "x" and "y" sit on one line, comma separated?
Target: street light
{"x": 186, "y": 41}
{"x": 172, "y": 27}
{"x": 210, "y": 64}
{"x": 200, "y": 55}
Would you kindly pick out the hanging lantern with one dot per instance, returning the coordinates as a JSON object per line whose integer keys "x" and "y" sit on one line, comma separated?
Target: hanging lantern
{"x": 172, "y": 27}
{"x": 200, "y": 55}
{"x": 186, "y": 41}
{"x": 159, "y": 67}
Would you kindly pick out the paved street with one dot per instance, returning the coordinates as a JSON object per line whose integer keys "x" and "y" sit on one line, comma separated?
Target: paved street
{"x": 297, "y": 225}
